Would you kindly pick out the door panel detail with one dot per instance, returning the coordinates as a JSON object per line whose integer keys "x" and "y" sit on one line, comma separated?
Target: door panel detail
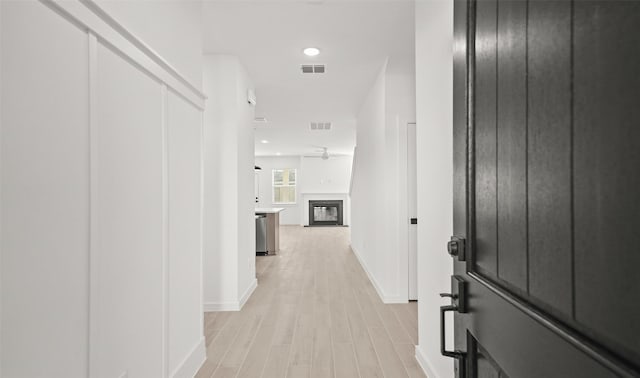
{"x": 545, "y": 145}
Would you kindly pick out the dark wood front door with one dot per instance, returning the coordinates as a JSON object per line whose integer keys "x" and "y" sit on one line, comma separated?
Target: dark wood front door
{"x": 547, "y": 188}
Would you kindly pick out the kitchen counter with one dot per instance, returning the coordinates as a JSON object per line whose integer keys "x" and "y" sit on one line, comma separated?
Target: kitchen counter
{"x": 272, "y": 230}
{"x": 268, "y": 210}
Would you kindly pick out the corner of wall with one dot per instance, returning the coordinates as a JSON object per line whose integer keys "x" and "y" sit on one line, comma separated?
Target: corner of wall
{"x": 247, "y": 293}
{"x": 424, "y": 363}
{"x": 233, "y": 305}
{"x": 192, "y": 362}
{"x": 388, "y": 299}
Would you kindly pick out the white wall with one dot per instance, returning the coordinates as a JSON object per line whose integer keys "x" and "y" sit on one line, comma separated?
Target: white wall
{"x": 170, "y": 27}
{"x": 378, "y": 224}
{"x": 229, "y": 224}
{"x": 329, "y": 178}
{"x": 326, "y": 176}
{"x": 100, "y": 207}
{"x": 434, "y": 98}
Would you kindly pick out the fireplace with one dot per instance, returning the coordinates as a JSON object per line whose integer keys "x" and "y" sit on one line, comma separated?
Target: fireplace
{"x": 325, "y": 213}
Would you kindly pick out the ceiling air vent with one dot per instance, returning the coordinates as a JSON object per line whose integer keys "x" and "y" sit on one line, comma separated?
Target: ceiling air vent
{"x": 320, "y": 125}
{"x": 313, "y": 68}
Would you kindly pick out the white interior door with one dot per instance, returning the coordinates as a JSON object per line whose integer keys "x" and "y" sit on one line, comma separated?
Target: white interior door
{"x": 412, "y": 211}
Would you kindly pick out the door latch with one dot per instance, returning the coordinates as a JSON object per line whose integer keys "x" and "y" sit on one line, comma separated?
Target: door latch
{"x": 456, "y": 247}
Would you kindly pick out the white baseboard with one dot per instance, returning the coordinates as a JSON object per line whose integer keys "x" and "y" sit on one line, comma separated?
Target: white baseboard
{"x": 192, "y": 363}
{"x": 424, "y": 364}
{"x": 247, "y": 293}
{"x": 385, "y": 298}
{"x": 234, "y": 305}
{"x": 221, "y": 306}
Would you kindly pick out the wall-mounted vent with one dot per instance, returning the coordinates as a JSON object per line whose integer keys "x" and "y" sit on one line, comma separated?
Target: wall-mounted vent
{"x": 320, "y": 125}
{"x": 313, "y": 68}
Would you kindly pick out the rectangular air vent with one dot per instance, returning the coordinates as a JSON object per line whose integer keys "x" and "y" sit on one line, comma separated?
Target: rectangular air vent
{"x": 313, "y": 68}
{"x": 320, "y": 125}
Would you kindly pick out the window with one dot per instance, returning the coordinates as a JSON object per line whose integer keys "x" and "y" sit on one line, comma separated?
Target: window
{"x": 284, "y": 186}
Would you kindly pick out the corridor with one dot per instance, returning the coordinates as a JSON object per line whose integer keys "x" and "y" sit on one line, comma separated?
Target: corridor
{"x": 314, "y": 313}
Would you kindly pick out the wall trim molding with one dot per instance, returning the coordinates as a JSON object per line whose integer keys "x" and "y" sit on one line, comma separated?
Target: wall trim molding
{"x": 88, "y": 16}
{"x": 93, "y": 351}
{"x": 424, "y": 364}
{"x": 166, "y": 284}
{"x": 385, "y": 298}
{"x": 192, "y": 362}
{"x": 233, "y": 305}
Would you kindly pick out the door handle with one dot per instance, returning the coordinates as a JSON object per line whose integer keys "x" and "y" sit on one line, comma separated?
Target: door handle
{"x": 443, "y": 349}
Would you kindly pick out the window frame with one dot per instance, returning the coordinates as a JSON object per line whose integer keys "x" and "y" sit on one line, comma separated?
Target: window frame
{"x": 274, "y": 186}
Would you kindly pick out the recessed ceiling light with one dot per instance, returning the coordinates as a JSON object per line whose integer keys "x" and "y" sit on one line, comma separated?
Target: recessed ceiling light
{"x": 311, "y": 51}
{"x": 264, "y": 141}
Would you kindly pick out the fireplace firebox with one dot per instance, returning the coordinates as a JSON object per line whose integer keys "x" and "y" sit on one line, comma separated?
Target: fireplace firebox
{"x": 325, "y": 213}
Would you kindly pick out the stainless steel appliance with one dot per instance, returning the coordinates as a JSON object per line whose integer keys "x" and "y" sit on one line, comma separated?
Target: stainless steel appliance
{"x": 261, "y": 234}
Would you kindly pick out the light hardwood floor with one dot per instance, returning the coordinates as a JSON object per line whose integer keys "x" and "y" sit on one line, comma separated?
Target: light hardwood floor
{"x": 313, "y": 314}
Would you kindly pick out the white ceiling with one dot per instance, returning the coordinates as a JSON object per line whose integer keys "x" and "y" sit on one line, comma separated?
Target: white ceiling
{"x": 354, "y": 37}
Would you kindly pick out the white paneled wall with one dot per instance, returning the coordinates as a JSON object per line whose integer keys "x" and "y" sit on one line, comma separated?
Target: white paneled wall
{"x": 127, "y": 262}
{"x": 44, "y": 194}
{"x": 185, "y": 232}
{"x": 101, "y": 200}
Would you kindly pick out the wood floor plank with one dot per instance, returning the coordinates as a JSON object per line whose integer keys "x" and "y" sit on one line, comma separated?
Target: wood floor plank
{"x": 340, "y": 332}
{"x": 302, "y": 346}
{"x": 256, "y": 358}
{"x": 396, "y": 331}
{"x": 240, "y": 347}
{"x": 366, "y": 358}
{"x": 345, "y": 361}
{"x": 314, "y": 314}
{"x": 299, "y": 371}
{"x": 286, "y": 325}
{"x": 407, "y": 320}
{"x": 225, "y": 372}
{"x": 407, "y": 353}
{"x": 322, "y": 365}
{"x": 277, "y": 361}
{"x": 207, "y": 369}
{"x": 218, "y": 349}
{"x": 389, "y": 360}
{"x": 220, "y": 320}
